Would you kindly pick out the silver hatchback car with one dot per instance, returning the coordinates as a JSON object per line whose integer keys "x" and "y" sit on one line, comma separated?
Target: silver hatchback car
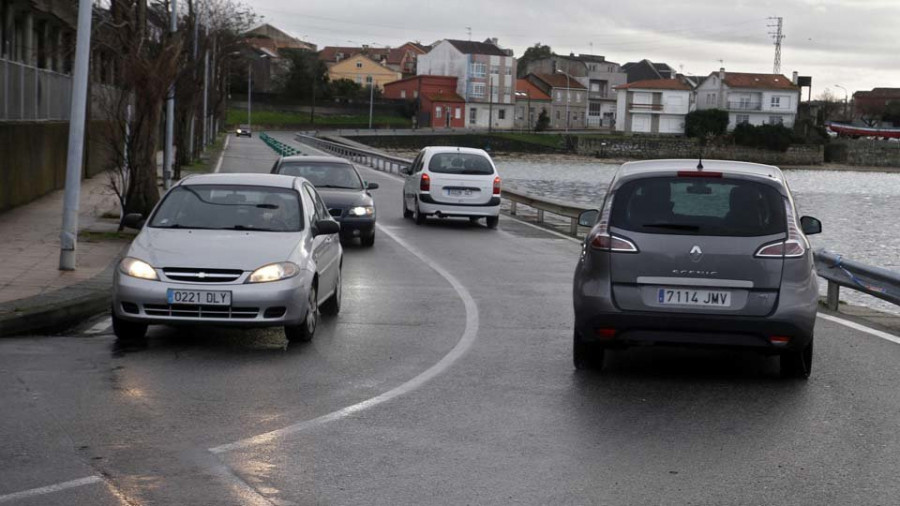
{"x": 248, "y": 250}
{"x": 697, "y": 254}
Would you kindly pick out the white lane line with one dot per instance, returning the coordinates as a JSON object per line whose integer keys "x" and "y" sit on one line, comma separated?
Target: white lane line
{"x": 100, "y": 326}
{"x": 470, "y": 334}
{"x": 49, "y": 489}
{"x": 862, "y": 328}
{"x": 222, "y": 154}
{"x": 544, "y": 229}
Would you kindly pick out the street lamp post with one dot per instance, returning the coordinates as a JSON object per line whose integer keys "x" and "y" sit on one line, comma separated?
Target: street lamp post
{"x": 371, "y": 99}
{"x": 845, "y": 99}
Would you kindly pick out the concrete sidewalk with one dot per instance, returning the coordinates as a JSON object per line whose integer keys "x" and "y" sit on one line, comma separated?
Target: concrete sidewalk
{"x": 34, "y": 294}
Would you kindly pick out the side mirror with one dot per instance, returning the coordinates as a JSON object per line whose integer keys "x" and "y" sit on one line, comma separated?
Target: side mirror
{"x": 810, "y": 225}
{"x": 371, "y": 186}
{"x": 326, "y": 227}
{"x": 134, "y": 220}
{"x": 406, "y": 170}
{"x": 588, "y": 218}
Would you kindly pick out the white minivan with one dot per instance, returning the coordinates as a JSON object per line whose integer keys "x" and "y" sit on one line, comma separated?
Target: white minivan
{"x": 452, "y": 182}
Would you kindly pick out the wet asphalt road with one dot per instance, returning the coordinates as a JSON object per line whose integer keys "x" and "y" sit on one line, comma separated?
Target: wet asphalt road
{"x": 504, "y": 420}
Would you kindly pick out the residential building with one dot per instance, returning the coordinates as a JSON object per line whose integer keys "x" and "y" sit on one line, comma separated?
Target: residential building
{"x": 568, "y": 99}
{"x": 274, "y": 40}
{"x": 437, "y": 103}
{"x": 646, "y": 70}
{"x": 656, "y": 106}
{"x": 870, "y": 105}
{"x": 263, "y": 48}
{"x": 402, "y": 59}
{"x": 530, "y": 102}
{"x": 485, "y": 75}
{"x": 596, "y": 74}
{"x": 363, "y": 71}
{"x": 750, "y": 98}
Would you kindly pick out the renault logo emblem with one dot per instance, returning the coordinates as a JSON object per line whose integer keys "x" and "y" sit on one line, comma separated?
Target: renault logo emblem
{"x": 202, "y": 275}
{"x": 696, "y": 253}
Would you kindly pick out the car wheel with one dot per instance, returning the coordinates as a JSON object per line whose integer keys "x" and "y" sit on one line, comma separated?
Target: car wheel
{"x": 406, "y": 212}
{"x": 332, "y": 306}
{"x": 418, "y": 216}
{"x": 305, "y": 331}
{"x": 368, "y": 242}
{"x": 492, "y": 221}
{"x": 585, "y": 356}
{"x": 797, "y": 364}
{"x": 128, "y": 331}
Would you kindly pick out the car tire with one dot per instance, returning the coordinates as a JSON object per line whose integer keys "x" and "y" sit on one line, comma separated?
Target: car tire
{"x": 304, "y": 332}
{"x": 797, "y": 364}
{"x": 585, "y": 356}
{"x": 406, "y": 212}
{"x": 418, "y": 216}
{"x": 492, "y": 221}
{"x": 368, "y": 241}
{"x": 332, "y": 306}
{"x": 127, "y": 331}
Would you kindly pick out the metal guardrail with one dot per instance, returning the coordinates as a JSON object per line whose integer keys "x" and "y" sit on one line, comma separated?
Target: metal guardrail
{"x": 279, "y": 147}
{"x": 838, "y": 271}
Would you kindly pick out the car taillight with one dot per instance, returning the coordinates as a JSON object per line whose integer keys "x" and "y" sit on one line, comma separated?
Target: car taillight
{"x": 795, "y": 244}
{"x": 698, "y": 173}
{"x": 425, "y": 183}
{"x": 497, "y": 185}
{"x": 603, "y": 240}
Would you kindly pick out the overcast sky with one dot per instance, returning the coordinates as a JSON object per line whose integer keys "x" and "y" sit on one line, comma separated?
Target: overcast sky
{"x": 852, "y": 43}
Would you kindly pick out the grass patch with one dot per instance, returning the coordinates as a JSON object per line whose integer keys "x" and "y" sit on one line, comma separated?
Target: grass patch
{"x": 110, "y": 215}
{"x": 286, "y": 118}
{"x": 207, "y": 161}
{"x": 92, "y": 236}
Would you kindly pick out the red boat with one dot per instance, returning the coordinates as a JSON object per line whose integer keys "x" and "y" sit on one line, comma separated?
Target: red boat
{"x": 844, "y": 129}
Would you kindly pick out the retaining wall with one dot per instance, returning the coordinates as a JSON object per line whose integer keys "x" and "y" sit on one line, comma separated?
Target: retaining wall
{"x": 678, "y": 147}
{"x": 865, "y": 153}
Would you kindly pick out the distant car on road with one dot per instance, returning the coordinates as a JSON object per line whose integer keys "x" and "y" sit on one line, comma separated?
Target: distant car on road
{"x": 344, "y": 191}
{"x": 243, "y": 131}
{"x": 452, "y": 182}
{"x": 684, "y": 255}
{"x": 245, "y": 250}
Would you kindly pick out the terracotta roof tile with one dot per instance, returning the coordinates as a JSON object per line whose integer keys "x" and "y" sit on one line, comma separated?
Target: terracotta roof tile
{"x": 534, "y": 93}
{"x": 762, "y": 81}
{"x": 560, "y": 81}
{"x": 473, "y": 47}
{"x": 656, "y": 84}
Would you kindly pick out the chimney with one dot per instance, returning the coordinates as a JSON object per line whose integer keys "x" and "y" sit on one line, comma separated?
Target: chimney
{"x": 722, "y": 73}
{"x": 494, "y": 40}
{"x": 794, "y": 78}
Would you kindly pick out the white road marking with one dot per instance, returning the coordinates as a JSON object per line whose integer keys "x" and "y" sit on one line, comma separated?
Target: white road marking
{"x": 862, "y": 328}
{"x": 49, "y": 489}
{"x": 222, "y": 154}
{"x": 100, "y": 326}
{"x": 532, "y": 225}
{"x": 470, "y": 334}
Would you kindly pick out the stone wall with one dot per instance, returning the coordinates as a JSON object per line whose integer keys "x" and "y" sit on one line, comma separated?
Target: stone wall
{"x": 645, "y": 148}
{"x": 486, "y": 141}
{"x": 33, "y": 160}
{"x": 864, "y": 152}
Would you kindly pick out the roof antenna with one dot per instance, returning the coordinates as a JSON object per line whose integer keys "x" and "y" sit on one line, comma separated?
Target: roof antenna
{"x": 700, "y": 161}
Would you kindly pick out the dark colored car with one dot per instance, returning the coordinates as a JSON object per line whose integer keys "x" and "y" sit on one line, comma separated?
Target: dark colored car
{"x": 243, "y": 131}
{"x": 345, "y": 193}
{"x": 688, "y": 255}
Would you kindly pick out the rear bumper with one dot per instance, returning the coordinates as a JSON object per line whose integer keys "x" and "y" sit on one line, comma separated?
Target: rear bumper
{"x": 428, "y": 206}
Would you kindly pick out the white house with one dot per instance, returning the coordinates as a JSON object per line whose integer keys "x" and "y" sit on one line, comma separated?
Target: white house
{"x": 750, "y": 98}
{"x": 486, "y": 78}
{"x": 656, "y": 106}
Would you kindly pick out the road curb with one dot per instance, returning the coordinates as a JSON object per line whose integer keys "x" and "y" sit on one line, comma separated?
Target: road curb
{"x": 60, "y": 309}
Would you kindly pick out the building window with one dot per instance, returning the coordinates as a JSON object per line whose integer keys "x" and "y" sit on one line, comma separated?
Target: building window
{"x": 415, "y": 93}
{"x": 557, "y": 114}
{"x": 501, "y": 114}
{"x": 458, "y": 113}
{"x": 359, "y": 64}
{"x": 437, "y": 112}
{"x": 776, "y": 120}
{"x": 776, "y": 103}
{"x": 495, "y": 69}
{"x": 507, "y": 99}
{"x": 358, "y": 79}
{"x": 742, "y": 118}
{"x": 478, "y": 90}
{"x": 594, "y": 109}
{"x": 578, "y": 98}
{"x": 710, "y": 99}
{"x": 473, "y": 115}
{"x": 368, "y": 79}
{"x": 559, "y": 96}
{"x": 402, "y": 93}
{"x": 509, "y": 70}
{"x": 479, "y": 69}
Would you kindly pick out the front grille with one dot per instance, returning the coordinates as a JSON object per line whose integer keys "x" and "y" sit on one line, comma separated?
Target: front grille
{"x": 130, "y": 308}
{"x": 336, "y": 212}
{"x": 195, "y": 311}
{"x": 202, "y": 275}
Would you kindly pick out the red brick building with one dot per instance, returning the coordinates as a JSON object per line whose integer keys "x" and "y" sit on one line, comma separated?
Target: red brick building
{"x": 438, "y": 104}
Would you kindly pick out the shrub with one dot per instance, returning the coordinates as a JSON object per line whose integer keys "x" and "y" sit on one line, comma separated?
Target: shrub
{"x": 705, "y": 123}
{"x": 543, "y": 121}
{"x": 772, "y": 137}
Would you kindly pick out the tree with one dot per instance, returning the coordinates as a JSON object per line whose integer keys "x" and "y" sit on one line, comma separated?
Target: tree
{"x": 870, "y": 112}
{"x": 533, "y": 53}
{"x": 892, "y": 113}
{"x": 304, "y": 72}
{"x": 706, "y": 123}
{"x": 346, "y": 90}
{"x": 830, "y": 107}
{"x": 543, "y": 121}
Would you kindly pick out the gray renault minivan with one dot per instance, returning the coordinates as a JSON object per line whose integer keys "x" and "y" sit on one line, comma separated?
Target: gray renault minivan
{"x": 697, "y": 253}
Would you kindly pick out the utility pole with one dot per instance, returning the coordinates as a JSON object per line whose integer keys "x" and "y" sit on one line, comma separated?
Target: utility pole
{"x": 249, "y": 91}
{"x": 68, "y": 238}
{"x": 778, "y": 37}
{"x": 490, "y": 103}
{"x": 371, "y": 99}
{"x": 469, "y": 30}
{"x": 170, "y": 109}
{"x": 206, "y": 79}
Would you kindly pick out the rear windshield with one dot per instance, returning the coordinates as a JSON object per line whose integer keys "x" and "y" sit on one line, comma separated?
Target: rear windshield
{"x": 699, "y": 206}
{"x": 460, "y": 163}
{"x": 230, "y": 207}
{"x": 324, "y": 175}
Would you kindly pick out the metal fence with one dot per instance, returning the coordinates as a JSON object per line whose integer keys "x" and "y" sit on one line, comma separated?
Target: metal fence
{"x": 31, "y": 93}
{"x": 839, "y": 271}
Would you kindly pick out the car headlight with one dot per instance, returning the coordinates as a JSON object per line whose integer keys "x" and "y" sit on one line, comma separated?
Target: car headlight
{"x": 137, "y": 269}
{"x": 238, "y": 130}
{"x": 361, "y": 211}
{"x": 274, "y": 272}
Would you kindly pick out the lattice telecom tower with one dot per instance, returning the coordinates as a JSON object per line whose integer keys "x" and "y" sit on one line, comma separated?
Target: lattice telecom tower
{"x": 778, "y": 36}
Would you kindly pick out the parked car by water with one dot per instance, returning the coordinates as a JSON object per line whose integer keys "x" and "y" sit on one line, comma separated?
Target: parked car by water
{"x": 697, "y": 254}
{"x": 231, "y": 249}
{"x": 344, "y": 191}
{"x": 452, "y": 182}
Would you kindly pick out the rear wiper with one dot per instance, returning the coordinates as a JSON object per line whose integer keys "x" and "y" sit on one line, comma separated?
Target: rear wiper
{"x": 672, "y": 226}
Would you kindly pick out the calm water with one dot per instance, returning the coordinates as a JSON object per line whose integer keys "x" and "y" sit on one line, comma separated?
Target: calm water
{"x": 860, "y": 211}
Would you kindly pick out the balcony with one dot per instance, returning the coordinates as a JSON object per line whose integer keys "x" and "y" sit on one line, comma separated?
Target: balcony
{"x": 645, "y": 107}
{"x": 744, "y": 105}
